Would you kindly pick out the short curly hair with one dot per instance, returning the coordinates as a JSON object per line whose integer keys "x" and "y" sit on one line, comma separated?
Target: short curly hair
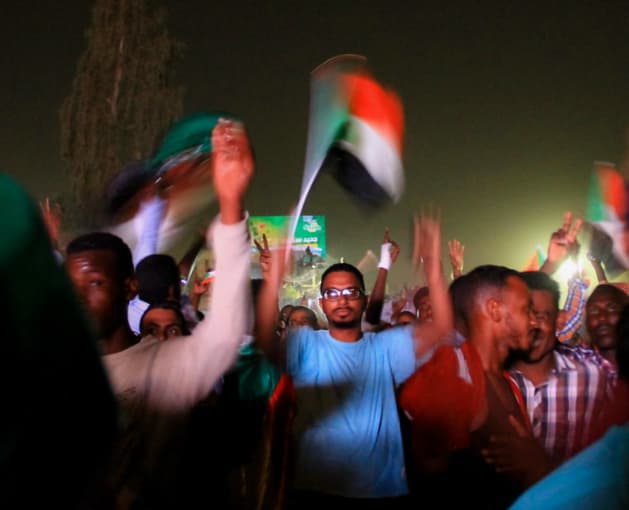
{"x": 105, "y": 241}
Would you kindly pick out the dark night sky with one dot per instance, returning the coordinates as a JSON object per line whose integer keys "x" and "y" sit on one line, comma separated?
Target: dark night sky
{"x": 506, "y": 107}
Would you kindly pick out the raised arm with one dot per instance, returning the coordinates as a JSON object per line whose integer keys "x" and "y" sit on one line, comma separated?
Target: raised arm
{"x": 573, "y": 310}
{"x": 389, "y": 252}
{"x": 456, "y": 250}
{"x": 273, "y": 264}
{"x": 185, "y": 369}
{"x": 427, "y": 240}
{"x": 562, "y": 244}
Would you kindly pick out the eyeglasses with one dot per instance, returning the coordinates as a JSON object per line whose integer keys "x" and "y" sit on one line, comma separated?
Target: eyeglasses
{"x": 332, "y": 294}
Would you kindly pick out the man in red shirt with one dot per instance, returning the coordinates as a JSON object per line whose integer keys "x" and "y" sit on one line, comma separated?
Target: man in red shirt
{"x": 467, "y": 423}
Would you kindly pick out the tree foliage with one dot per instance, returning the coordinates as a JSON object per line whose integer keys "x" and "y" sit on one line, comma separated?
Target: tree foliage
{"x": 122, "y": 98}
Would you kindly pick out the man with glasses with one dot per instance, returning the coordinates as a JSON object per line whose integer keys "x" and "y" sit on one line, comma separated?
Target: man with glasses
{"x": 348, "y": 445}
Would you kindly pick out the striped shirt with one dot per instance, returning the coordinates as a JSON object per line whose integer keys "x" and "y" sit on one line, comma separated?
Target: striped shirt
{"x": 562, "y": 408}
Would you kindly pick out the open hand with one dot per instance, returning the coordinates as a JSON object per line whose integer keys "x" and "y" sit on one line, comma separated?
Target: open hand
{"x": 456, "y": 250}
{"x": 232, "y": 160}
{"x": 427, "y": 239}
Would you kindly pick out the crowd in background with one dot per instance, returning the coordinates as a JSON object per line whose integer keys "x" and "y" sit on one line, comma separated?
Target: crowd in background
{"x": 481, "y": 387}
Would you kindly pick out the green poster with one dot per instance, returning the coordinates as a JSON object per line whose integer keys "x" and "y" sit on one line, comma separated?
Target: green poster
{"x": 309, "y": 234}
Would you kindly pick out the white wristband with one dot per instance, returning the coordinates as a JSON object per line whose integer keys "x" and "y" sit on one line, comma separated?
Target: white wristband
{"x": 385, "y": 256}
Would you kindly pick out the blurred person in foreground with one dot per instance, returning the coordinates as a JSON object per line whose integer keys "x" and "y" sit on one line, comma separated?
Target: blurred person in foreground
{"x": 58, "y": 405}
{"x": 157, "y": 383}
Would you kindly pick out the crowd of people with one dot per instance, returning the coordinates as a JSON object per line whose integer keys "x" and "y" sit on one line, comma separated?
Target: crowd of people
{"x": 481, "y": 388}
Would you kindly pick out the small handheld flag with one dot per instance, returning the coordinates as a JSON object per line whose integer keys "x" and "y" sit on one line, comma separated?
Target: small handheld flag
{"x": 355, "y": 131}
{"x": 607, "y": 209}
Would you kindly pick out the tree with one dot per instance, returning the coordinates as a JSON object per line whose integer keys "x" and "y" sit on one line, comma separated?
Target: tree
{"x": 121, "y": 100}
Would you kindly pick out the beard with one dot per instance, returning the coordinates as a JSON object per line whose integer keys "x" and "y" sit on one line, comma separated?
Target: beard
{"x": 541, "y": 346}
{"x": 604, "y": 339}
{"x": 350, "y": 324}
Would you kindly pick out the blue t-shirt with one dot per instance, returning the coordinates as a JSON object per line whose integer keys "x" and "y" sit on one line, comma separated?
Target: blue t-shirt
{"x": 347, "y": 426}
{"x": 598, "y": 477}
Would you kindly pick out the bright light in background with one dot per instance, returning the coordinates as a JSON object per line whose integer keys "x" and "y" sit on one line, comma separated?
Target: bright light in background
{"x": 567, "y": 270}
